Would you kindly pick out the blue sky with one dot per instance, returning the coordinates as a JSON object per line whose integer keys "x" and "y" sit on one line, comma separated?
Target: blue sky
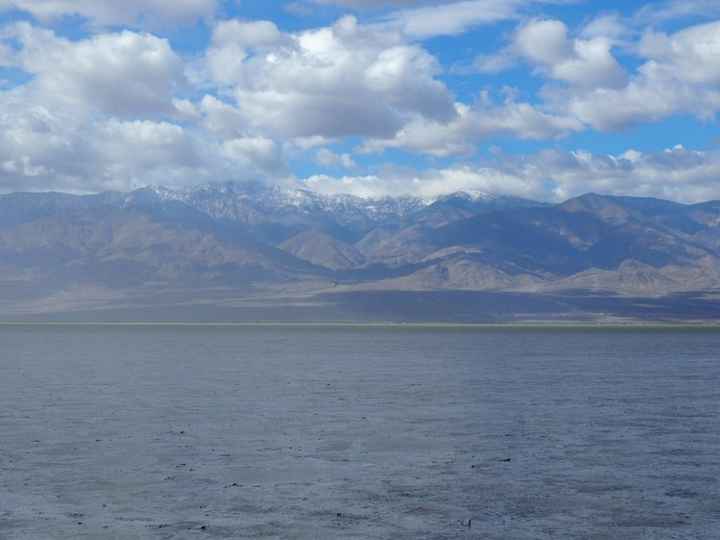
{"x": 543, "y": 99}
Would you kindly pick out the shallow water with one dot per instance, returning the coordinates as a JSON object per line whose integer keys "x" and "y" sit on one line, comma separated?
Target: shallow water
{"x": 288, "y": 432}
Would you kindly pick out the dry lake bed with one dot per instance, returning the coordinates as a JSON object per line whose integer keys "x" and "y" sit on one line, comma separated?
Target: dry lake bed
{"x": 175, "y": 432}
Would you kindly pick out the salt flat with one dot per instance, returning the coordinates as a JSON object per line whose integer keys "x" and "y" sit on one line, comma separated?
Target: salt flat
{"x": 144, "y": 432}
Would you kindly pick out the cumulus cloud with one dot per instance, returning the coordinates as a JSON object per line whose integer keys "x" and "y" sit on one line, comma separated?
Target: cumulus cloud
{"x": 475, "y": 124}
{"x": 582, "y": 62}
{"x": 417, "y": 12}
{"x": 126, "y": 73}
{"x": 114, "y": 12}
{"x": 246, "y": 33}
{"x": 356, "y": 80}
{"x": 454, "y": 18}
{"x": 693, "y": 54}
{"x": 55, "y": 149}
{"x": 680, "y": 75}
{"x": 676, "y": 173}
{"x": 262, "y": 155}
{"x": 336, "y": 81}
{"x": 102, "y": 113}
{"x": 127, "y": 153}
{"x": 489, "y": 63}
{"x": 327, "y": 158}
{"x": 426, "y": 184}
{"x": 610, "y": 26}
{"x": 546, "y": 45}
{"x": 360, "y": 4}
{"x": 118, "y": 107}
{"x": 672, "y": 10}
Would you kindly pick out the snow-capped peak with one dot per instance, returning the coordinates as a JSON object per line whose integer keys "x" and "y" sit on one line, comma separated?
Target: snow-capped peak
{"x": 257, "y": 201}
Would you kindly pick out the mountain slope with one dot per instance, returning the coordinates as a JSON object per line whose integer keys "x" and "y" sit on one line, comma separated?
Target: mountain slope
{"x": 323, "y": 250}
{"x": 250, "y": 239}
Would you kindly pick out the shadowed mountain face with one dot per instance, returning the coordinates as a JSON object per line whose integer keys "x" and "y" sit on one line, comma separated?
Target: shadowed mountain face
{"x": 60, "y": 251}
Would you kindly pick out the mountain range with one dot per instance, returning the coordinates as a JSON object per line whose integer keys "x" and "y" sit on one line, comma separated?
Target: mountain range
{"x": 244, "y": 249}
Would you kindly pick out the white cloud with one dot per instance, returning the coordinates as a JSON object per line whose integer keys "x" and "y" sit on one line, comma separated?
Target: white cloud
{"x": 672, "y": 10}
{"x": 101, "y": 113}
{"x": 327, "y": 158}
{"x": 40, "y": 149}
{"x": 610, "y": 26}
{"x": 545, "y": 44}
{"x": 452, "y": 19}
{"x": 474, "y": 125}
{"x": 679, "y": 72}
{"x": 115, "y": 12}
{"x": 676, "y": 174}
{"x": 580, "y": 62}
{"x": 131, "y": 153}
{"x": 126, "y": 74}
{"x": 489, "y": 63}
{"x": 148, "y": 143}
{"x": 120, "y": 109}
{"x": 359, "y": 186}
{"x": 330, "y": 82}
{"x": 692, "y": 55}
{"x": 681, "y": 75}
{"x": 222, "y": 119}
{"x": 258, "y": 152}
{"x": 246, "y": 33}
{"x": 426, "y": 184}
{"x": 375, "y": 3}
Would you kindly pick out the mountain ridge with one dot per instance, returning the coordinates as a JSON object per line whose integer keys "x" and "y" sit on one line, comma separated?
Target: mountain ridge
{"x": 253, "y": 240}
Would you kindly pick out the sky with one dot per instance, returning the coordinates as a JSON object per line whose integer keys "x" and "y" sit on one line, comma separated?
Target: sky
{"x": 540, "y": 99}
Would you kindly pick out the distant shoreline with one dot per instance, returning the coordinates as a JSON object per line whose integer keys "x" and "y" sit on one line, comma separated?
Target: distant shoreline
{"x": 539, "y": 325}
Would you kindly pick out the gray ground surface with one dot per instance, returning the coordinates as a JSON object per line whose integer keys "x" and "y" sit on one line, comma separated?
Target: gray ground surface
{"x": 190, "y": 432}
